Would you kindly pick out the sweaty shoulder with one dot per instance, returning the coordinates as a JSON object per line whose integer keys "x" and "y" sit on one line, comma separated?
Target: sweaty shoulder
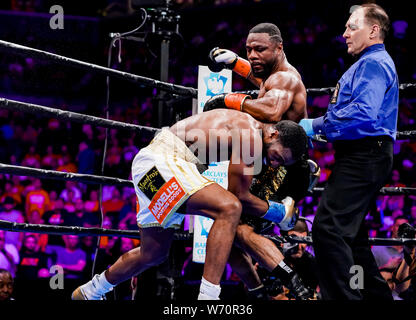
{"x": 289, "y": 80}
{"x": 242, "y": 120}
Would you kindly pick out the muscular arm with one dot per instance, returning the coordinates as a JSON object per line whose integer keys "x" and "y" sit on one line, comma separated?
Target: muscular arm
{"x": 239, "y": 183}
{"x": 280, "y": 94}
{"x": 271, "y": 107}
{"x": 241, "y": 170}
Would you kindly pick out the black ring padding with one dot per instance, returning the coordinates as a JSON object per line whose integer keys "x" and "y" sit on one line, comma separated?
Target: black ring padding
{"x": 58, "y": 175}
{"x": 43, "y": 111}
{"x": 62, "y": 60}
{"x": 79, "y": 231}
{"x": 371, "y": 241}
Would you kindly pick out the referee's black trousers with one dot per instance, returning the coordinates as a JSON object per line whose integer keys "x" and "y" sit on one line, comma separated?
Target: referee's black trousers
{"x": 361, "y": 169}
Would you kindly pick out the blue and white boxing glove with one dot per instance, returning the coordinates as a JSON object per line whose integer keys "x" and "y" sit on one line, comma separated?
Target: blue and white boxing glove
{"x": 284, "y": 213}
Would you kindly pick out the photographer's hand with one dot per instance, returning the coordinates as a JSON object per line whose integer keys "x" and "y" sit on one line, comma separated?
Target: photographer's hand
{"x": 410, "y": 249}
{"x": 404, "y": 268}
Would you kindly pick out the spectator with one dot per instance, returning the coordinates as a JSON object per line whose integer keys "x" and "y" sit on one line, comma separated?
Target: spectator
{"x": 55, "y": 217}
{"x": 70, "y": 185}
{"x": 106, "y": 255}
{"x": 88, "y": 245}
{"x": 32, "y": 158}
{"x": 37, "y": 199}
{"x": 395, "y": 202}
{"x": 35, "y": 218}
{"x": 53, "y": 198}
{"x": 413, "y": 216}
{"x": 53, "y": 134}
{"x": 128, "y": 212}
{"x": 65, "y": 164}
{"x": 9, "y": 213}
{"x": 107, "y": 224}
{"x": 130, "y": 150}
{"x": 11, "y": 191}
{"x": 18, "y": 188}
{"x": 70, "y": 201}
{"x": 6, "y": 285}
{"x": 86, "y": 159}
{"x": 50, "y": 159}
{"x": 124, "y": 291}
{"x": 33, "y": 263}
{"x": 76, "y": 218}
{"x": 92, "y": 204}
{"x": 114, "y": 204}
{"x": 70, "y": 257}
{"x": 9, "y": 255}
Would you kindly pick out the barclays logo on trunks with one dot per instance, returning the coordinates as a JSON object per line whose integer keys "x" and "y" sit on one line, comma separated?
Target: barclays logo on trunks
{"x": 215, "y": 84}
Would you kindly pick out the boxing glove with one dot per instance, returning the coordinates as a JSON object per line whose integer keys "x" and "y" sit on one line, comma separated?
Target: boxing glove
{"x": 226, "y": 100}
{"x": 284, "y": 213}
{"x": 223, "y": 58}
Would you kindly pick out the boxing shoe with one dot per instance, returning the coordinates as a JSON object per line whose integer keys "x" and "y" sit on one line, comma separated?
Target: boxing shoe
{"x": 92, "y": 290}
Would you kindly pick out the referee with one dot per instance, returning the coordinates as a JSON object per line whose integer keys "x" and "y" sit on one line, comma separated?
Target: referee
{"x": 361, "y": 122}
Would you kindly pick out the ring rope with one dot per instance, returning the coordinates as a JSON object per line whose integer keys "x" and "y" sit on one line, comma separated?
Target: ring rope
{"x": 79, "y": 231}
{"x": 330, "y": 90}
{"x": 404, "y": 135}
{"x": 387, "y": 191}
{"x": 89, "y": 178}
{"x": 28, "y": 51}
{"x": 58, "y": 175}
{"x": 82, "y": 232}
{"x": 59, "y": 114}
{"x": 371, "y": 241}
{"x": 169, "y": 87}
{"x": 35, "y": 109}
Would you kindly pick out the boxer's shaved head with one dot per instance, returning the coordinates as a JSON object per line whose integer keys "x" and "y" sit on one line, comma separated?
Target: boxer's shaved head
{"x": 271, "y": 29}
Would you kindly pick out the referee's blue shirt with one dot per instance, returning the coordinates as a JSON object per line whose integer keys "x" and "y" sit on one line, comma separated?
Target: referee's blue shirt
{"x": 365, "y": 102}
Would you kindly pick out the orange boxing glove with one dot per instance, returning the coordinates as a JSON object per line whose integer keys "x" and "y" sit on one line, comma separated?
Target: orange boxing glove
{"x": 223, "y": 58}
{"x": 226, "y": 100}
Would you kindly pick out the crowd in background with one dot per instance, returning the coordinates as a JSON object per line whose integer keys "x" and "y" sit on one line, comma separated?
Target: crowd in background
{"x": 313, "y": 44}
